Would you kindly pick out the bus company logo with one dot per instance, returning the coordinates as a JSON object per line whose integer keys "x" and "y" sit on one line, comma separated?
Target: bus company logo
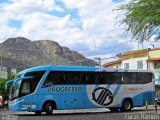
{"x": 102, "y": 96}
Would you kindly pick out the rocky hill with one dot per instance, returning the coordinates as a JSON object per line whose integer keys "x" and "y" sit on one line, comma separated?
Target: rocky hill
{"x": 23, "y": 53}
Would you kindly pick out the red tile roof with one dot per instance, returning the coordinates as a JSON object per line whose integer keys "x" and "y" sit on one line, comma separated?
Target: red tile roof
{"x": 112, "y": 63}
{"x": 153, "y": 59}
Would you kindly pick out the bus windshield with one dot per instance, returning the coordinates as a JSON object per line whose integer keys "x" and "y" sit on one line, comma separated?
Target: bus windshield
{"x": 14, "y": 92}
{"x": 26, "y": 86}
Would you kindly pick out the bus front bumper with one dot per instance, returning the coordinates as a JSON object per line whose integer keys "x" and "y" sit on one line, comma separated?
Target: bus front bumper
{"x": 14, "y": 105}
{"x": 19, "y": 105}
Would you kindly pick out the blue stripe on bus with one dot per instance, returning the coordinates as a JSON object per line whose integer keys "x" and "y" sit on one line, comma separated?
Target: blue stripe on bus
{"x": 108, "y": 86}
{"x": 97, "y": 86}
{"x": 116, "y": 90}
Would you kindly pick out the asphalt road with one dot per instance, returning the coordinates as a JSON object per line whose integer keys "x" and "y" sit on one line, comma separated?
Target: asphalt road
{"x": 90, "y": 114}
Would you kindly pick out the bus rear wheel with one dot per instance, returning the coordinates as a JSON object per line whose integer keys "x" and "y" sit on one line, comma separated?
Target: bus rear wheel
{"x": 127, "y": 105}
{"x": 49, "y": 108}
{"x": 38, "y": 112}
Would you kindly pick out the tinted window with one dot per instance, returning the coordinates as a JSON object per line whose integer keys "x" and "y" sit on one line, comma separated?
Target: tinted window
{"x": 25, "y": 88}
{"x": 112, "y": 78}
{"x": 129, "y": 78}
{"x": 74, "y": 77}
{"x": 29, "y": 85}
{"x": 143, "y": 78}
{"x": 136, "y": 78}
{"x": 71, "y": 77}
{"x": 36, "y": 78}
{"x": 89, "y": 78}
{"x": 48, "y": 80}
{"x": 116, "y": 78}
{"x": 108, "y": 78}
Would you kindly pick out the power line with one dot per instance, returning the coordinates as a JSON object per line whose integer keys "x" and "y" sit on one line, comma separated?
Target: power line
{"x": 100, "y": 59}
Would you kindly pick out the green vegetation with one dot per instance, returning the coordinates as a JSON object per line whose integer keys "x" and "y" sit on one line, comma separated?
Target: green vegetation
{"x": 4, "y": 92}
{"x": 142, "y": 18}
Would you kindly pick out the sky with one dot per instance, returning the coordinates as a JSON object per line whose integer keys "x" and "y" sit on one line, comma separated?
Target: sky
{"x": 90, "y": 27}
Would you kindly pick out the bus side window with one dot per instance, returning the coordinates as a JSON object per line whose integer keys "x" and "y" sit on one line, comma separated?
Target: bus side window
{"x": 96, "y": 78}
{"x": 85, "y": 79}
{"x": 92, "y": 78}
{"x": 89, "y": 78}
{"x": 126, "y": 77}
{"x": 129, "y": 78}
{"x": 26, "y": 88}
{"x": 101, "y": 78}
{"x": 116, "y": 78}
{"x": 144, "y": 78}
{"x": 79, "y": 78}
{"x": 71, "y": 77}
{"x": 49, "y": 80}
{"x": 56, "y": 77}
{"x": 108, "y": 78}
{"x": 133, "y": 78}
{"x": 148, "y": 77}
{"x": 63, "y": 78}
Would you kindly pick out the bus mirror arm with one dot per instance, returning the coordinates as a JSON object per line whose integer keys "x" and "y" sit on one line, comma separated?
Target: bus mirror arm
{"x": 23, "y": 78}
{"x": 15, "y": 81}
{"x": 6, "y": 84}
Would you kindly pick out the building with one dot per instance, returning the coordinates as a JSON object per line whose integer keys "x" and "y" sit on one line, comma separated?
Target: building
{"x": 3, "y": 72}
{"x": 146, "y": 59}
{"x": 113, "y": 64}
{"x": 130, "y": 60}
{"x": 154, "y": 61}
{"x": 135, "y": 59}
{"x": 13, "y": 71}
{"x": 154, "y": 65}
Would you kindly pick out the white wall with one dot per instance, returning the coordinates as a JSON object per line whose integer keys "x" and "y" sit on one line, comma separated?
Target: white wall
{"x": 3, "y": 72}
{"x": 133, "y": 63}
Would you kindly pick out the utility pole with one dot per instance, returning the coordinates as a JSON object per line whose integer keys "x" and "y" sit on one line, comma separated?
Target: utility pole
{"x": 99, "y": 60}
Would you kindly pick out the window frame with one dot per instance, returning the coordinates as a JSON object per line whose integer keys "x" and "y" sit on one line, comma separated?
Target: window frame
{"x": 126, "y": 65}
{"x": 140, "y": 64}
{"x": 31, "y": 81}
{"x": 157, "y": 64}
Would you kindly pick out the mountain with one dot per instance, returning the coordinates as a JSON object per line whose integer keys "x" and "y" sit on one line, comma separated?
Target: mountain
{"x": 22, "y": 53}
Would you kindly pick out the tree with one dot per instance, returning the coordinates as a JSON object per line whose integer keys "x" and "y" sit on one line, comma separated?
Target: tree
{"x": 4, "y": 92}
{"x": 142, "y": 18}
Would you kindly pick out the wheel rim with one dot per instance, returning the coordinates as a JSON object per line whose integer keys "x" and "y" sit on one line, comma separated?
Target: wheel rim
{"x": 50, "y": 108}
{"x": 127, "y": 105}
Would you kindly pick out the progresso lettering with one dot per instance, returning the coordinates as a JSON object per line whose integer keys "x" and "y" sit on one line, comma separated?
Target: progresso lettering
{"x": 64, "y": 89}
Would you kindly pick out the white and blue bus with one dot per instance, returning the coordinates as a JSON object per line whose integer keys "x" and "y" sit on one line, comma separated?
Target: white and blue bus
{"x": 48, "y": 88}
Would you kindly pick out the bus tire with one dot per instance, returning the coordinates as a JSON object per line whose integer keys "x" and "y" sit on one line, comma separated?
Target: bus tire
{"x": 127, "y": 105}
{"x": 38, "y": 112}
{"x": 49, "y": 108}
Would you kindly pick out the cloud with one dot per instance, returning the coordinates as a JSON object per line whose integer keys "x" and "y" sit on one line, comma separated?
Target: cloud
{"x": 28, "y": 6}
{"x": 87, "y": 26}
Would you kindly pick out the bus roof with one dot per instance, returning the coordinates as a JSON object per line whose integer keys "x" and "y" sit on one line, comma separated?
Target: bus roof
{"x": 77, "y": 68}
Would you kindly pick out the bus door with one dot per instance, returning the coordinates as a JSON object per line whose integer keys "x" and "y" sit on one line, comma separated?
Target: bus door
{"x": 28, "y": 98}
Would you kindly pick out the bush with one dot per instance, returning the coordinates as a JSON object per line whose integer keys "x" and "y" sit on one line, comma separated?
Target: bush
{"x": 3, "y": 92}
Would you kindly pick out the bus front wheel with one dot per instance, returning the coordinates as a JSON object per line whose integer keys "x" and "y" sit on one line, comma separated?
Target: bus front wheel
{"x": 49, "y": 108}
{"x": 127, "y": 105}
